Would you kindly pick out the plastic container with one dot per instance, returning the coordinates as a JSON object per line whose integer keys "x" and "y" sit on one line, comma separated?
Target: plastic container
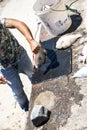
{"x": 53, "y": 15}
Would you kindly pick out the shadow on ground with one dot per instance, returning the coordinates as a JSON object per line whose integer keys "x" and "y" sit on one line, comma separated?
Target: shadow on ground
{"x": 59, "y": 62}
{"x": 76, "y": 22}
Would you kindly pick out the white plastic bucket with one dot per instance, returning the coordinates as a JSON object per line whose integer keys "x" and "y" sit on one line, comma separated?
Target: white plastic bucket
{"x": 53, "y": 15}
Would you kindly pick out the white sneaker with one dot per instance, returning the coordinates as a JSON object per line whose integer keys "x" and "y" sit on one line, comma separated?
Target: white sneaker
{"x": 25, "y": 118}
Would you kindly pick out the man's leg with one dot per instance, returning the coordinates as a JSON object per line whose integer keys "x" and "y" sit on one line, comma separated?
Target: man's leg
{"x": 11, "y": 74}
{"x": 25, "y": 65}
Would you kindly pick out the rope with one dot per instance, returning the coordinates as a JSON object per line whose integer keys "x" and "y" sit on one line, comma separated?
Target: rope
{"x": 68, "y": 8}
{"x": 73, "y": 2}
{"x": 73, "y": 10}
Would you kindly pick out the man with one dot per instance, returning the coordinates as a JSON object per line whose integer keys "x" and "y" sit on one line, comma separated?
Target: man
{"x": 14, "y": 59}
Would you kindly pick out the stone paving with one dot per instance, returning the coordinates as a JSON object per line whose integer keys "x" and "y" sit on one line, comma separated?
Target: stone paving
{"x": 65, "y": 97}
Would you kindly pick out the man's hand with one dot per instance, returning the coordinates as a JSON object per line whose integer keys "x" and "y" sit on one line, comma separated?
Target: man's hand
{"x": 3, "y": 80}
{"x": 35, "y": 47}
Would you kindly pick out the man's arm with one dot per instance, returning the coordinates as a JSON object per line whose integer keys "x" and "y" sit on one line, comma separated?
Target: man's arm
{"x": 23, "y": 28}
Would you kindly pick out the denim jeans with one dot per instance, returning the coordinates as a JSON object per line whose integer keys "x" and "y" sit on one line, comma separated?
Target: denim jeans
{"x": 12, "y": 75}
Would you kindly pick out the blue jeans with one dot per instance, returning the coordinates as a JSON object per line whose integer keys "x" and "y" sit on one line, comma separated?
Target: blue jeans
{"x": 14, "y": 81}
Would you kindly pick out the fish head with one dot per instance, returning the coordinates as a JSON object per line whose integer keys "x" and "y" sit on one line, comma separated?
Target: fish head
{"x": 39, "y": 58}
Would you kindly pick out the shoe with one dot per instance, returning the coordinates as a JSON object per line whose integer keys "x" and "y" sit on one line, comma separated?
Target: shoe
{"x": 25, "y": 118}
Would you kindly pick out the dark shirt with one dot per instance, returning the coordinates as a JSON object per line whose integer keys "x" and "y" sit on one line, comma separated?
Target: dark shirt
{"x": 10, "y": 50}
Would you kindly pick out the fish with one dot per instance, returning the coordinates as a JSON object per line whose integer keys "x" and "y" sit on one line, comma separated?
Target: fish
{"x": 39, "y": 58}
{"x": 67, "y": 40}
{"x": 81, "y": 73}
{"x": 83, "y": 39}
